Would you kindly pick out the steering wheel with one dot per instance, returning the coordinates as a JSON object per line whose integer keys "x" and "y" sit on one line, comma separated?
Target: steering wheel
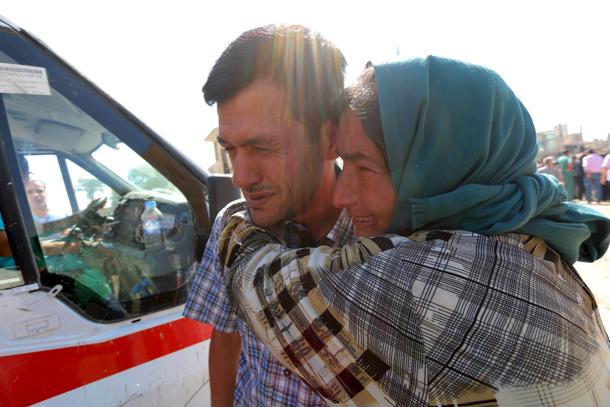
{"x": 88, "y": 222}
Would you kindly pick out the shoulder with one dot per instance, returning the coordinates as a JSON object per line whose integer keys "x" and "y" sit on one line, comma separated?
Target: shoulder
{"x": 225, "y": 213}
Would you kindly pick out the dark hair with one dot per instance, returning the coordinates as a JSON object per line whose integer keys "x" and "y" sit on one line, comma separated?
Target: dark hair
{"x": 309, "y": 67}
{"x": 361, "y": 98}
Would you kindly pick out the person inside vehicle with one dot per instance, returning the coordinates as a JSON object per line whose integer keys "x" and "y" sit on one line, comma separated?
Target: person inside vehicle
{"x": 274, "y": 88}
{"x": 480, "y": 303}
{"x": 37, "y": 198}
{"x": 62, "y": 257}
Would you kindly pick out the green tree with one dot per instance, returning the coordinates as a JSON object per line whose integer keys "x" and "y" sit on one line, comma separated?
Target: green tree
{"x": 146, "y": 177}
{"x": 90, "y": 186}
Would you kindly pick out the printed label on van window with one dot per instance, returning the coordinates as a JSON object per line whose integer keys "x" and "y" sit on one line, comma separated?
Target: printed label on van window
{"x": 24, "y": 79}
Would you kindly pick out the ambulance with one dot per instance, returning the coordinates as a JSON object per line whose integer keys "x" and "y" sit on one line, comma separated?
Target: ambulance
{"x": 90, "y": 308}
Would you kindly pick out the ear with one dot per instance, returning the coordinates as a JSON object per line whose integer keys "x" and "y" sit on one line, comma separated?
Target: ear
{"x": 328, "y": 140}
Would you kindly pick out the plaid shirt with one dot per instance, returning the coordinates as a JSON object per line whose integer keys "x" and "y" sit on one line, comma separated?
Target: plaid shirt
{"x": 443, "y": 317}
{"x": 261, "y": 379}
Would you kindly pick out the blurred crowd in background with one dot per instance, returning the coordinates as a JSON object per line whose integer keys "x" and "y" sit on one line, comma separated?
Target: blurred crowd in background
{"x": 585, "y": 175}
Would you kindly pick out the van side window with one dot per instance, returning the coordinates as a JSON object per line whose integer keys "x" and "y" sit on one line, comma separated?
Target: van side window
{"x": 88, "y": 189}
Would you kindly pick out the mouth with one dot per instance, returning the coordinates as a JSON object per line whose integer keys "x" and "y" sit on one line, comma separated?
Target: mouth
{"x": 364, "y": 220}
{"x": 257, "y": 199}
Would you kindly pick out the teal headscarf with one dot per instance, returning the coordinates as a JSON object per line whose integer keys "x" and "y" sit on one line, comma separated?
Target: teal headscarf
{"x": 461, "y": 150}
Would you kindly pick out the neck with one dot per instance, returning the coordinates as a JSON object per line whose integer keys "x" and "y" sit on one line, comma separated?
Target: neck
{"x": 321, "y": 215}
{"x": 40, "y": 212}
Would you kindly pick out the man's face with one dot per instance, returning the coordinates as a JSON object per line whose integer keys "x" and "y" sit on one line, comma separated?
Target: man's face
{"x": 364, "y": 187}
{"x": 37, "y": 194}
{"x": 274, "y": 162}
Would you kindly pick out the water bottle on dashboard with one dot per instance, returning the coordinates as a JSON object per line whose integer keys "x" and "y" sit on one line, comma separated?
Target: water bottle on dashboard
{"x": 151, "y": 225}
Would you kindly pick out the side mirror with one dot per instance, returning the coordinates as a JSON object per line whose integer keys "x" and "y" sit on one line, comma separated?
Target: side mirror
{"x": 221, "y": 191}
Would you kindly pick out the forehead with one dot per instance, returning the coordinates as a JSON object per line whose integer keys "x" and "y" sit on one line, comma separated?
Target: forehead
{"x": 354, "y": 145}
{"x": 351, "y": 137}
{"x": 259, "y": 109}
{"x": 36, "y": 184}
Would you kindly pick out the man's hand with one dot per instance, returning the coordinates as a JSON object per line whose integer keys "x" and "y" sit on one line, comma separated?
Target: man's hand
{"x": 59, "y": 247}
{"x": 224, "y": 358}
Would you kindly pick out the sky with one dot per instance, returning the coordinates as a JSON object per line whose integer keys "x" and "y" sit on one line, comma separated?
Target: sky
{"x": 154, "y": 56}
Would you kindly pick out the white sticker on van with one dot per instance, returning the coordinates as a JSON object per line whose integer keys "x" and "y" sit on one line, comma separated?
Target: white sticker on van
{"x": 24, "y": 79}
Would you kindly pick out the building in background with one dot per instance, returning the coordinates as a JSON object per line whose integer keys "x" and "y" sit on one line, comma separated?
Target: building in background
{"x": 554, "y": 142}
{"x": 222, "y": 164}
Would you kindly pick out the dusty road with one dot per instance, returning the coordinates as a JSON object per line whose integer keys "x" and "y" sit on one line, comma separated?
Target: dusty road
{"x": 597, "y": 275}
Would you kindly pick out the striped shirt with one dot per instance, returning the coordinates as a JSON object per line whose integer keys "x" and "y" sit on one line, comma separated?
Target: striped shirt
{"x": 261, "y": 379}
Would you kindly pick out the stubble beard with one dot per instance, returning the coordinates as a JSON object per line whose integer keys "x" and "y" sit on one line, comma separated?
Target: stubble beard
{"x": 274, "y": 214}
{"x": 292, "y": 203}
{"x": 297, "y": 197}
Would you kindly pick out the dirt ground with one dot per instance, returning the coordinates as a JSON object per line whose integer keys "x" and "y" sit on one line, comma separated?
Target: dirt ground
{"x": 597, "y": 275}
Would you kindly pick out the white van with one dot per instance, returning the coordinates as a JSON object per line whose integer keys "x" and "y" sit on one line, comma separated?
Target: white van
{"x": 89, "y": 314}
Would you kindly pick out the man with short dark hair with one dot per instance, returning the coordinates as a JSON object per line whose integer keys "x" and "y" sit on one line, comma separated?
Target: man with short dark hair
{"x": 274, "y": 88}
{"x": 37, "y": 198}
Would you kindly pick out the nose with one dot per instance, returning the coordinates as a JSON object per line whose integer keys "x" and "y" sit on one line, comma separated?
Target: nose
{"x": 245, "y": 171}
{"x": 346, "y": 192}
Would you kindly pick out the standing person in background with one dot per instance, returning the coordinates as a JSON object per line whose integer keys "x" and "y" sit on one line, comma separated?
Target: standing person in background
{"x": 606, "y": 177}
{"x": 564, "y": 163}
{"x": 579, "y": 176}
{"x": 592, "y": 165}
{"x": 274, "y": 88}
{"x": 37, "y": 198}
{"x": 549, "y": 168}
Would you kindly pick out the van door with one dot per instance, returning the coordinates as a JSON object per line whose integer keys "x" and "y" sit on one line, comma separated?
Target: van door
{"x": 89, "y": 312}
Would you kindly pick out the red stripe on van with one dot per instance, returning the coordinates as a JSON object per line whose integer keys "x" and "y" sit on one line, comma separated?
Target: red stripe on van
{"x": 32, "y": 377}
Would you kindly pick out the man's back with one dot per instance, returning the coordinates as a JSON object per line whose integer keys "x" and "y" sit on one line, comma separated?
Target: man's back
{"x": 592, "y": 163}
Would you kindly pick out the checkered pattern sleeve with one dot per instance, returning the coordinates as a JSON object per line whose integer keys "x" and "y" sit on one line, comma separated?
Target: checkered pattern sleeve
{"x": 433, "y": 318}
{"x": 207, "y": 300}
